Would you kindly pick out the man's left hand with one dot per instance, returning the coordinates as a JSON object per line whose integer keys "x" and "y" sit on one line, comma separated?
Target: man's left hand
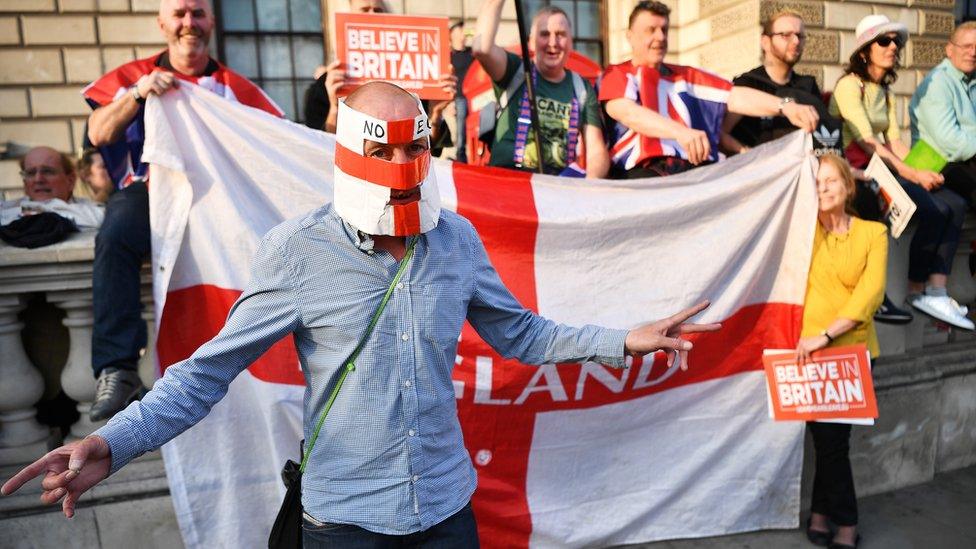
{"x": 663, "y": 335}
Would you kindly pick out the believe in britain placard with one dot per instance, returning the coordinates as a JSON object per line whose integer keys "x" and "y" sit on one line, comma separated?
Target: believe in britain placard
{"x": 411, "y": 52}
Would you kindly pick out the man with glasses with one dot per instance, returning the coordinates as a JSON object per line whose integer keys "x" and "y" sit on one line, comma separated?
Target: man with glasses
{"x": 669, "y": 117}
{"x": 49, "y": 179}
{"x": 783, "y": 40}
{"x": 943, "y": 110}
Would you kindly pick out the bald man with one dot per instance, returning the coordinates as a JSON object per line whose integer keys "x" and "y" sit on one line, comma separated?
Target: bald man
{"x": 116, "y": 128}
{"x": 49, "y": 178}
{"x": 391, "y": 467}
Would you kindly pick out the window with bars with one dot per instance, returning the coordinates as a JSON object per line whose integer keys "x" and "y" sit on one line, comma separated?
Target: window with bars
{"x": 586, "y": 17}
{"x": 275, "y": 43}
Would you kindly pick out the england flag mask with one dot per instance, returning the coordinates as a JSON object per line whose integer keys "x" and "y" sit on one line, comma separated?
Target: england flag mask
{"x": 363, "y": 185}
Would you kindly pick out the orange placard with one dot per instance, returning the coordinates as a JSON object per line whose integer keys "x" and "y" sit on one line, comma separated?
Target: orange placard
{"x": 836, "y": 385}
{"x": 411, "y": 52}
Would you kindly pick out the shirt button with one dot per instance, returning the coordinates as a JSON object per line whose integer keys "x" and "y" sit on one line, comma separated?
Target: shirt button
{"x": 405, "y": 336}
{"x": 416, "y": 478}
{"x": 399, "y": 286}
{"x": 407, "y": 383}
{"x": 411, "y": 432}
{"x": 370, "y": 252}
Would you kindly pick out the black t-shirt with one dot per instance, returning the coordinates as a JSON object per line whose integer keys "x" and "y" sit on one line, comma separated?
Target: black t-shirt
{"x": 461, "y": 60}
{"x": 752, "y": 131}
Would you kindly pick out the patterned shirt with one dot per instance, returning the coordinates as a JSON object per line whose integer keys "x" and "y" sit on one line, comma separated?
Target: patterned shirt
{"x": 693, "y": 97}
{"x": 391, "y": 457}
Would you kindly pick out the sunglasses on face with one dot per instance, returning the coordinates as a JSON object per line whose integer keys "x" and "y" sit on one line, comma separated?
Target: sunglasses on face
{"x": 886, "y": 41}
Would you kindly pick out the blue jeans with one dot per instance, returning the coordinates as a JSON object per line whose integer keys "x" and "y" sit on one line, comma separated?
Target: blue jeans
{"x": 122, "y": 243}
{"x": 459, "y": 531}
{"x": 939, "y": 219}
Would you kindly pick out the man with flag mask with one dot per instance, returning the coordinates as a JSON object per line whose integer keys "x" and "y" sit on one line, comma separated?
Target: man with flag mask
{"x": 390, "y": 466}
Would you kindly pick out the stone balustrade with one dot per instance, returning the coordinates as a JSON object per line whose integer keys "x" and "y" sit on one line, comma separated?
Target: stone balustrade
{"x": 62, "y": 273}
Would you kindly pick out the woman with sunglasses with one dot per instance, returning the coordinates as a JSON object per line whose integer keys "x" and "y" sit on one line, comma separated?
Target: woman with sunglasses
{"x": 863, "y": 99}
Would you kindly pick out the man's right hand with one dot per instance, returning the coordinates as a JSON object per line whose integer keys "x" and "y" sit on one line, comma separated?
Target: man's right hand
{"x": 69, "y": 471}
{"x": 157, "y": 82}
{"x": 696, "y": 144}
{"x": 930, "y": 181}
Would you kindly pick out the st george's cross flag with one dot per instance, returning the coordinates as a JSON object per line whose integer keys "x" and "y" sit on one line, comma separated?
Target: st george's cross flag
{"x": 567, "y": 455}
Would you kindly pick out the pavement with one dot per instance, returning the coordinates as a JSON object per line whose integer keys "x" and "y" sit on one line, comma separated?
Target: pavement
{"x": 938, "y": 514}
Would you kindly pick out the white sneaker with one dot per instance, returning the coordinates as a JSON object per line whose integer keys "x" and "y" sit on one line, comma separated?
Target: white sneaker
{"x": 963, "y": 310}
{"x": 943, "y": 308}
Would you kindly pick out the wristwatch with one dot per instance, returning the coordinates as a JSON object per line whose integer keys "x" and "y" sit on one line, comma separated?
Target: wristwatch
{"x": 142, "y": 100}
{"x": 783, "y": 102}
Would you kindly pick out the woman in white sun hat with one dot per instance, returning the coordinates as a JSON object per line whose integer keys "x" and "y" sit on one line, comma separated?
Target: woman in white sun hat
{"x": 863, "y": 99}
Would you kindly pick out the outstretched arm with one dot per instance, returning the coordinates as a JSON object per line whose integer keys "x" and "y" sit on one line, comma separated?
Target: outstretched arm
{"x": 265, "y": 313}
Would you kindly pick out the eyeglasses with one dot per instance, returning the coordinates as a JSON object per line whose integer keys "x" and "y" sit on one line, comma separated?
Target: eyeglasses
{"x": 790, "y": 35}
{"x": 964, "y": 46}
{"x": 886, "y": 41}
{"x": 43, "y": 170}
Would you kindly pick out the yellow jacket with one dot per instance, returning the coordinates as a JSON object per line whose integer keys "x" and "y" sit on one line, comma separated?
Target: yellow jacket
{"x": 847, "y": 280}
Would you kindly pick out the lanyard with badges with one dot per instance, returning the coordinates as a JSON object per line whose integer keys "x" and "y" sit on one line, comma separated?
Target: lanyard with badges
{"x": 525, "y": 120}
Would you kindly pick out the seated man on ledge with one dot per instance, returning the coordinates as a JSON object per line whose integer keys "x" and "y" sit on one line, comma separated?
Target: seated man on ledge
{"x": 669, "y": 117}
{"x": 49, "y": 179}
{"x": 320, "y": 278}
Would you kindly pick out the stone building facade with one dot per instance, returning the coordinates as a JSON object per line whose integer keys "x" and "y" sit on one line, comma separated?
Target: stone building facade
{"x": 49, "y": 49}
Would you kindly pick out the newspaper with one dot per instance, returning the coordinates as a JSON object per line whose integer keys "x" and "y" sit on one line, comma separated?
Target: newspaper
{"x": 898, "y": 208}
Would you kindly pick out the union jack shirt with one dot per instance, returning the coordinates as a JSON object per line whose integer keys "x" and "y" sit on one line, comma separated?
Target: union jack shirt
{"x": 690, "y": 96}
{"x": 123, "y": 159}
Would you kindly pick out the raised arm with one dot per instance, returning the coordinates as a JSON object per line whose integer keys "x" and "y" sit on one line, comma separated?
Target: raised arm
{"x": 107, "y": 123}
{"x": 265, "y": 312}
{"x": 490, "y": 55}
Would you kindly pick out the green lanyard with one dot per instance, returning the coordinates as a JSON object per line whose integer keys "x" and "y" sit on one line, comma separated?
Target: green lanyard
{"x": 350, "y": 363}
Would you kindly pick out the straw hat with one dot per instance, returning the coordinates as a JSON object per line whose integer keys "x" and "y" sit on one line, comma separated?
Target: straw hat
{"x": 873, "y": 26}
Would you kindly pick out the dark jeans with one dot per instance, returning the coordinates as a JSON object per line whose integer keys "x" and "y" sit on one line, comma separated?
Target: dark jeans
{"x": 938, "y": 219}
{"x": 458, "y": 531}
{"x": 960, "y": 177}
{"x": 122, "y": 243}
{"x": 833, "y": 482}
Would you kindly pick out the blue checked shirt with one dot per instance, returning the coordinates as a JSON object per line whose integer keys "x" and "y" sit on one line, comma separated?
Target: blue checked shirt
{"x": 391, "y": 458}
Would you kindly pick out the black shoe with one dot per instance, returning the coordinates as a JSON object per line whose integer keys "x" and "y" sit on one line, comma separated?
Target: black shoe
{"x": 890, "y": 314}
{"x": 115, "y": 390}
{"x": 816, "y": 537}
{"x": 835, "y": 545}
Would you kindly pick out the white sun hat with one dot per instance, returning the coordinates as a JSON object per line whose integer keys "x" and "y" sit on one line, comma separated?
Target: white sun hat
{"x": 873, "y": 26}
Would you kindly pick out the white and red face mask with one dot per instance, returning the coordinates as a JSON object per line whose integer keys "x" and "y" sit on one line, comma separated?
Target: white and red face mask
{"x": 363, "y": 185}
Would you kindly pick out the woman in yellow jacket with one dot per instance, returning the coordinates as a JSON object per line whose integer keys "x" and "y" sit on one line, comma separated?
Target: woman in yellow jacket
{"x": 844, "y": 288}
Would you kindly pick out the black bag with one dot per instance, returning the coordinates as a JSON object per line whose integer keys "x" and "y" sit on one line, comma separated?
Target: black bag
{"x": 287, "y": 529}
{"x": 34, "y": 231}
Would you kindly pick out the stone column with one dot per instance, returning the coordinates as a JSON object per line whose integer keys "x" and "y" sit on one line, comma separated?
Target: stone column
{"x": 77, "y": 379}
{"x": 22, "y": 438}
